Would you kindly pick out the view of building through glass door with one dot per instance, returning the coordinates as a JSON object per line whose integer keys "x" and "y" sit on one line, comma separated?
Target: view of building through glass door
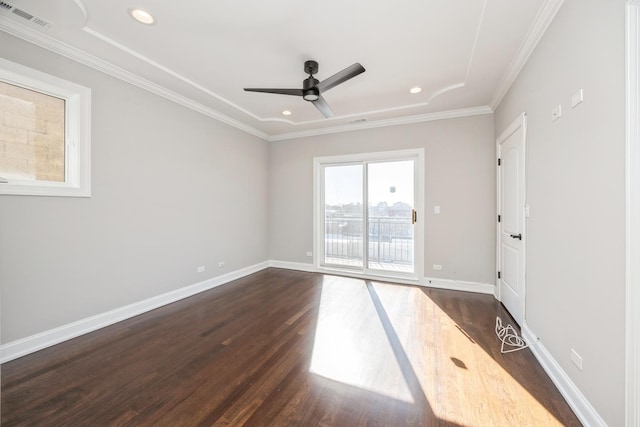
{"x": 369, "y": 205}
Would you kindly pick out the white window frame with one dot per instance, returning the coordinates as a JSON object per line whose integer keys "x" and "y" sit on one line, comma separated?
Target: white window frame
{"x": 77, "y": 162}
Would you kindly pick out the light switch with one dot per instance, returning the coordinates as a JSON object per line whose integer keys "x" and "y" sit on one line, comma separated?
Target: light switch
{"x": 436, "y": 210}
{"x": 577, "y": 98}
{"x": 556, "y": 113}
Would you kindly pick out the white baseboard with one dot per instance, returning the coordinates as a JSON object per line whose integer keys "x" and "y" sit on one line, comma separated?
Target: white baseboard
{"x": 585, "y": 412}
{"x": 33, "y": 343}
{"x": 300, "y": 266}
{"x": 459, "y": 285}
{"x": 453, "y": 285}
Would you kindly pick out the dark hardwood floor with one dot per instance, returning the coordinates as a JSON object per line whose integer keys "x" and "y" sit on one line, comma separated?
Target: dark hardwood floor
{"x": 288, "y": 348}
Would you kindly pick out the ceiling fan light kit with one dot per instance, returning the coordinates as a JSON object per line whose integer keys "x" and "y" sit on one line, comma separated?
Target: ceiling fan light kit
{"x": 312, "y": 89}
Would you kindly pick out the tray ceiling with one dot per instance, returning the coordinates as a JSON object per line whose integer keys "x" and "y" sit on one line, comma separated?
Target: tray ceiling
{"x": 462, "y": 53}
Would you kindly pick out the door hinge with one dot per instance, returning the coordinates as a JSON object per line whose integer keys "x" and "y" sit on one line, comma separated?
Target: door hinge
{"x": 498, "y": 274}
{"x": 499, "y": 217}
{"x": 499, "y": 162}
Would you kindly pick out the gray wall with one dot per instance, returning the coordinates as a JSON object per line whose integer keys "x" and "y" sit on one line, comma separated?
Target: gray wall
{"x": 459, "y": 177}
{"x": 172, "y": 190}
{"x": 575, "y": 185}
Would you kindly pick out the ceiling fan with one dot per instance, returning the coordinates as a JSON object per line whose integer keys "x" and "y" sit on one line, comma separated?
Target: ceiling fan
{"x": 312, "y": 89}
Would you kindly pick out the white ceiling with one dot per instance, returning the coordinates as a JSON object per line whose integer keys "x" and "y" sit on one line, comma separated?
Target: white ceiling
{"x": 462, "y": 53}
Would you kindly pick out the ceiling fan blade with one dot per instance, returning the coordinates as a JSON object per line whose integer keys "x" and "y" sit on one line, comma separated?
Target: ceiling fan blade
{"x": 296, "y": 92}
{"x": 340, "y": 77}
{"x": 324, "y": 108}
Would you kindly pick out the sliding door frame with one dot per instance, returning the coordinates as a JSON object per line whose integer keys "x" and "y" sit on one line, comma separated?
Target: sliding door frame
{"x": 318, "y": 218}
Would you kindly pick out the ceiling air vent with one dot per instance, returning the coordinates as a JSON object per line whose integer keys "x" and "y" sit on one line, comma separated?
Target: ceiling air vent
{"x": 8, "y": 7}
{"x": 23, "y": 14}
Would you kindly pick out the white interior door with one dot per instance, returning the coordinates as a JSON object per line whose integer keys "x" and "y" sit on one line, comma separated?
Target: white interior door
{"x": 511, "y": 211}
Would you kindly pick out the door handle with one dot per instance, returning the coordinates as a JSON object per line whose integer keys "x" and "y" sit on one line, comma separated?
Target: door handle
{"x": 414, "y": 216}
{"x": 517, "y": 236}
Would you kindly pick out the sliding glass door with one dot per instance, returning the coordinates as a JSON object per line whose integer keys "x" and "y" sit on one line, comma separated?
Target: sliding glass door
{"x": 390, "y": 213}
{"x": 367, "y": 214}
{"x": 343, "y": 216}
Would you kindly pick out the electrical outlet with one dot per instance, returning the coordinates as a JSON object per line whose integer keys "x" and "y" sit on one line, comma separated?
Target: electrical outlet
{"x": 200, "y": 269}
{"x": 576, "y": 359}
{"x": 221, "y": 264}
{"x": 437, "y": 267}
{"x": 309, "y": 253}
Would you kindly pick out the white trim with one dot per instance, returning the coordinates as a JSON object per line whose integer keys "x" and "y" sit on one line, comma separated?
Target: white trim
{"x": 632, "y": 246}
{"x": 33, "y": 343}
{"x": 427, "y": 282}
{"x": 364, "y": 114}
{"x": 540, "y": 24}
{"x": 585, "y": 412}
{"x": 47, "y": 42}
{"x": 299, "y": 266}
{"x": 442, "y": 115}
{"x": 208, "y": 92}
{"x": 167, "y": 70}
{"x": 77, "y": 132}
{"x": 459, "y": 285}
{"x": 42, "y": 340}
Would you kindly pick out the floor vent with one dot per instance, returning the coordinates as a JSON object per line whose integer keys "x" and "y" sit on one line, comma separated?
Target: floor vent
{"x": 8, "y": 7}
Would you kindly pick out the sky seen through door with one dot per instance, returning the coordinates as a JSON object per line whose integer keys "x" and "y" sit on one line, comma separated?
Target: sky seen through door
{"x": 343, "y": 183}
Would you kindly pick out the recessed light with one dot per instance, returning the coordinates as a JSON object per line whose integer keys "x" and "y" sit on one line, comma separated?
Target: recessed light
{"x": 142, "y": 16}
{"x": 415, "y": 90}
{"x": 286, "y": 113}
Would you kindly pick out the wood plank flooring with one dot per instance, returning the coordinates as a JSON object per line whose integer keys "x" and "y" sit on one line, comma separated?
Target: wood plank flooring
{"x": 288, "y": 348}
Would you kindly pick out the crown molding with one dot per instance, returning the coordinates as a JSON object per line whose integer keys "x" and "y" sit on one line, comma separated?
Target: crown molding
{"x": 47, "y": 42}
{"x": 544, "y": 18}
{"x": 52, "y": 44}
{"x": 442, "y": 115}
{"x": 167, "y": 70}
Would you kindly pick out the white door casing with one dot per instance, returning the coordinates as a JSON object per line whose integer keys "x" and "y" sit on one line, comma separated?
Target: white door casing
{"x": 511, "y": 226}
{"x": 632, "y": 272}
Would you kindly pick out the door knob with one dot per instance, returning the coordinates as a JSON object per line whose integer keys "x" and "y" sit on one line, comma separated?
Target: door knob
{"x": 517, "y": 236}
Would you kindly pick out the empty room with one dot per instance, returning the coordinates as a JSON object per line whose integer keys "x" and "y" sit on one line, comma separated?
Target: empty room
{"x": 415, "y": 213}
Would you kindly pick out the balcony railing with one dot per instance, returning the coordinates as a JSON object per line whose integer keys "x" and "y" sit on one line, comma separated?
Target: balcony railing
{"x": 390, "y": 242}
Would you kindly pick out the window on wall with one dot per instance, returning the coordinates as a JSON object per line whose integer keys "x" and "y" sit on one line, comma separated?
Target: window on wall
{"x": 44, "y": 134}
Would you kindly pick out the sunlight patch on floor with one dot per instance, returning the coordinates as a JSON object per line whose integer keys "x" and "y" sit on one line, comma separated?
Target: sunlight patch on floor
{"x": 350, "y": 344}
{"x": 398, "y": 342}
{"x": 451, "y": 367}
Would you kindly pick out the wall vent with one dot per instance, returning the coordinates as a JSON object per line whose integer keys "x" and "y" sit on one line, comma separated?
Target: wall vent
{"x": 357, "y": 121}
{"x": 8, "y": 7}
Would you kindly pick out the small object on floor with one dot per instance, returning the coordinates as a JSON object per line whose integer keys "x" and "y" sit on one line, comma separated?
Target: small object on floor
{"x": 509, "y": 337}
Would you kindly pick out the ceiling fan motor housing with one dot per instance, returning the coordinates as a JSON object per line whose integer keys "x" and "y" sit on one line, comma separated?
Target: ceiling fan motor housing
{"x": 309, "y": 90}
